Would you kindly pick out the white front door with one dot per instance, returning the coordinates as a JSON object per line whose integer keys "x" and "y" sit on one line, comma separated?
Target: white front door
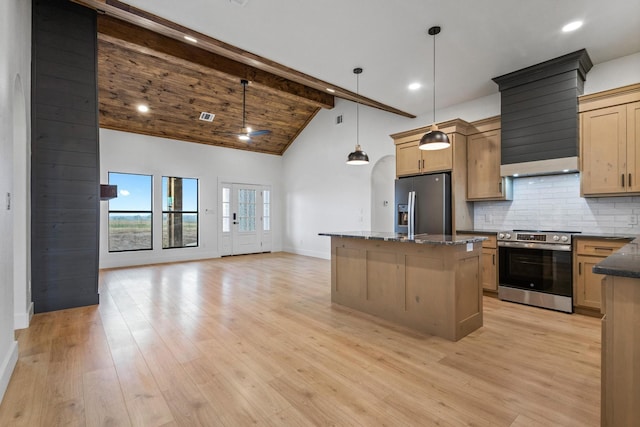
{"x": 246, "y": 219}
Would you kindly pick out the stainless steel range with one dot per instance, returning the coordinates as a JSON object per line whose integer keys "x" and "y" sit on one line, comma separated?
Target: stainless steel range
{"x": 535, "y": 268}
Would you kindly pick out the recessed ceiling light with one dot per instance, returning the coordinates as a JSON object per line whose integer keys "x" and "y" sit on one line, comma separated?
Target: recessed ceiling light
{"x": 565, "y": 170}
{"x": 331, "y": 90}
{"x": 515, "y": 175}
{"x": 191, "y": 39}
{"x": 415, "y": 86}
{"x": 572, "y": 26}
{"x": 143, "y": 108}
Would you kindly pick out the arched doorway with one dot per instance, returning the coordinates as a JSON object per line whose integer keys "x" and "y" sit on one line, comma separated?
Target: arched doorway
{"x": 382, "y": 189}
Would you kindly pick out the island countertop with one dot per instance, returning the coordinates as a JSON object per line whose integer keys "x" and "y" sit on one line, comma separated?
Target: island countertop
{"x": 423, "y": 239}
{"x": 623, "y": 263}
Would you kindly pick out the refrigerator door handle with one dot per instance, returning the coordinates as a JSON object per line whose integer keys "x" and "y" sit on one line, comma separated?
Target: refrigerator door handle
{"x": 412, "y": 214}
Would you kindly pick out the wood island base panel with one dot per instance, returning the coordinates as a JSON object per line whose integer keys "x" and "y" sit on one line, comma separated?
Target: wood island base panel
{"x": 432, "y": 288}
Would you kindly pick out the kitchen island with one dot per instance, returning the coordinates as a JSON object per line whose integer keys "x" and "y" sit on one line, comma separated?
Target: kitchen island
{"x": 620, "y": 365}
{"x": 430, "y": 283}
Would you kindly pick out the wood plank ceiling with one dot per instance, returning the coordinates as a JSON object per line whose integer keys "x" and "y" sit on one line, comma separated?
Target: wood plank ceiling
{"x": 144, "y": 59}
{"x": 177, "y": 90}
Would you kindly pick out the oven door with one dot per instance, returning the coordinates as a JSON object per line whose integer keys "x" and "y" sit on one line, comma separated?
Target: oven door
{"x": 541, "y": 270}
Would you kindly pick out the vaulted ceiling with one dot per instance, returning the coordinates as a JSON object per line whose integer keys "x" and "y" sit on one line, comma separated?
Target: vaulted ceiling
{"x": 292, "y": 51}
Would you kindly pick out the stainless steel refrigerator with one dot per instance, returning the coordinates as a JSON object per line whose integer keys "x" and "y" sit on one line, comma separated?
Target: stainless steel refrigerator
{"x": 423, "y": 204}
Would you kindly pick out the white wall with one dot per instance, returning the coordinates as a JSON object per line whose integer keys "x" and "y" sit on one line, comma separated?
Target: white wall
{"x": 15, "y": 54}
{"x": 133, "y": 153}
{"x": 324, "y": 194}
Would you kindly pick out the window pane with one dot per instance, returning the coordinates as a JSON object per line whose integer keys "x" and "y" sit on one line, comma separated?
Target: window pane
{"x": 129, "y": 231}
{"x": 179, "y": 230}
{"x": 267, "y": 223}
{"x": 225, "y": 209}
{"x": 266, "y": 196}
{"x": 130, "y": 228}
{"x": 134, "y": 192}
{"x": 180, "y": 212}
{"x": 226, "y": 195}
{"x": 225, "y": 225}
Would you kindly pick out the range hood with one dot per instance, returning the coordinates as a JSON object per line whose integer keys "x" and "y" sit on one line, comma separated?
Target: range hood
{"x": 539, "y": 115}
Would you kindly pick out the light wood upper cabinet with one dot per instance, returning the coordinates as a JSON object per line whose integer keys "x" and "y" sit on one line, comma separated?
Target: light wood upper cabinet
{"x": 610, "y": 142}
{"x": 411, "y": 160}
{"x": 483, "y": 163}
{"x": 408, "y": 159}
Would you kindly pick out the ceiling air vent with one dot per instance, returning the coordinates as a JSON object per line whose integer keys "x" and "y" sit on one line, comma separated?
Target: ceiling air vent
{"x": 207, "y": 117}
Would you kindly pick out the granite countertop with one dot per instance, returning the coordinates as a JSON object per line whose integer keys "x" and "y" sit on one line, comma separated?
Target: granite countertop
{"x": 625, "y": 262}
{"x": 479, "y": 231}
{"x": 424, "y": 239}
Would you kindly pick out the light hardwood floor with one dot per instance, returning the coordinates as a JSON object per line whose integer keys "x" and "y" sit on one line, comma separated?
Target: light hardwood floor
{"x": 255, "y": 340}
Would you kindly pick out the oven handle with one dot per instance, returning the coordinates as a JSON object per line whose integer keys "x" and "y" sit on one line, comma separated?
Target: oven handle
{"x": 546, "y": 246}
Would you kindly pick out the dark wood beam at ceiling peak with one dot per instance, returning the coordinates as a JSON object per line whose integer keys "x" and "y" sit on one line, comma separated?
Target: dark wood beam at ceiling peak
{"x": 281, "y": 73}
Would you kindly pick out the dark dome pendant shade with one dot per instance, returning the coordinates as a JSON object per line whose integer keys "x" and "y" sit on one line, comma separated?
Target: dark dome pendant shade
{"x": 434, "y": 139}
{"x": 358, "y": 157}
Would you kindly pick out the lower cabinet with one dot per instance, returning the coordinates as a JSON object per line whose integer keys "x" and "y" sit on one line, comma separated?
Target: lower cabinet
{"x": 587, "y": 289}
{"x": 489, "y": 262}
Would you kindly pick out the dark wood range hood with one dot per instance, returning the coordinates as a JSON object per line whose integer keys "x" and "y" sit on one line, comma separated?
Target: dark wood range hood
{"x": 539, "y": 114}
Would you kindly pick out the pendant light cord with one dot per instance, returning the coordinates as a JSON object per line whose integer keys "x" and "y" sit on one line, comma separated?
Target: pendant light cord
{"x": 434, "y": 78}
{"x": 358, "y": 110}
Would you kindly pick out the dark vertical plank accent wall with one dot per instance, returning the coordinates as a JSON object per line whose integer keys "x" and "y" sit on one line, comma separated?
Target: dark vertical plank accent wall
{"x": 65, "y": 156}
{"x": 539, "y": 109}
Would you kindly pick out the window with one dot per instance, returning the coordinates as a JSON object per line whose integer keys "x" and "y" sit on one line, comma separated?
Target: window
{"x": 179, "y": 212}
{"x": 130, "y": 217}
{"x": 266, "y": 210}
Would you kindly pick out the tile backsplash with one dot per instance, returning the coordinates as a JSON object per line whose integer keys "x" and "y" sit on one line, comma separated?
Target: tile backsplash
{"x": 553, "y": 203}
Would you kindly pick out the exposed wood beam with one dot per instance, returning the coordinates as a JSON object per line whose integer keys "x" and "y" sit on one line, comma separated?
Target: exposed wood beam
{"x": 170, "y": 29}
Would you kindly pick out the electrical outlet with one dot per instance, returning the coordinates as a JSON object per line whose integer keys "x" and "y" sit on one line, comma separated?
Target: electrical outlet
{"x": 633, "y": 220}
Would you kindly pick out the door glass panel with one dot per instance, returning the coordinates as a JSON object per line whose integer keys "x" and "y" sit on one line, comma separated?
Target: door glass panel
{"x": 247, "y": 210}
{"x": 226, "y": 209}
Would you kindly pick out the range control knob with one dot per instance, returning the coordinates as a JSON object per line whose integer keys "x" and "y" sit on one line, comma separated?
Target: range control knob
{"x": 501, "y": 235}
{"x": 556, "y": 238}
{"x": 564, "y": 238}
{"x": 508, "y": 235}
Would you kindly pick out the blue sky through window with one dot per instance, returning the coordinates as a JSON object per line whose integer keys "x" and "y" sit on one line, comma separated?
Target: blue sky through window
{"x": 134, "y": 192}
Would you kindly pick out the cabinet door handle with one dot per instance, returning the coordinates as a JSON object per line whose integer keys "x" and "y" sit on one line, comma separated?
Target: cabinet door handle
{"x": 629, "y": 180}
{"x": 500, "y": 187}
{"x": 622, "y": 180}
{"x": 580, "y": 268}
{"x": 418, "y": 164}
{"x": 422, "y": 163}
{"x": 494, "y": 259}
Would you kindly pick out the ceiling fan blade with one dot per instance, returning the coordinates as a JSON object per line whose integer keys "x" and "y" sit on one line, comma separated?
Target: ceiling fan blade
{"x": 260, "y": 132}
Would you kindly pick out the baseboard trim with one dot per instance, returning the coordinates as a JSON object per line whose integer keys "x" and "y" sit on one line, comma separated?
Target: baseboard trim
{"x": 8, "y": 365}
{"x": 23, "y": 320}
{"x": 304, "y": 252}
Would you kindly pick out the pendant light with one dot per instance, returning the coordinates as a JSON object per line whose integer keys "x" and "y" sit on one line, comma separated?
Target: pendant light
{"x": 434, "y": 139}
{"x": 357, "y": 157}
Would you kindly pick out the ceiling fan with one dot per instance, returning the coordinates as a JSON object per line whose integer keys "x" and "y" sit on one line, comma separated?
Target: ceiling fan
{"x": 246, "y": 132}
